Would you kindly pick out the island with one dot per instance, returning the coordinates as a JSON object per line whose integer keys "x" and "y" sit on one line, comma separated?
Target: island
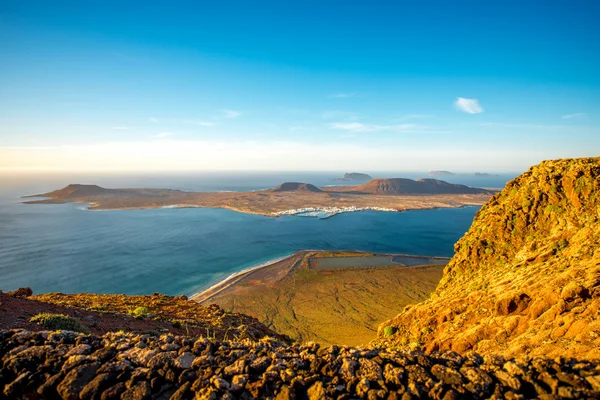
{"x": 354, "y": 177}
{"x": 441, "y": 173}
{"x": 483, "y": 174}
{"x": 289, "y": 198}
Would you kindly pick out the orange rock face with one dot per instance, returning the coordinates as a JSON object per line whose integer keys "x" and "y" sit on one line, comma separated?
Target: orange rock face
{"x": 525, "y": 278}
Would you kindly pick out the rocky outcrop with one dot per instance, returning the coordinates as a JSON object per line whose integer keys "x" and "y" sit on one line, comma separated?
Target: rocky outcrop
{"x": 525, "y": 278}
{"x": 48, "y": 365}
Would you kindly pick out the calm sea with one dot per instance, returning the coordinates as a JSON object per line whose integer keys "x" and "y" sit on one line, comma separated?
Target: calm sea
{"x": 67, "y": 248}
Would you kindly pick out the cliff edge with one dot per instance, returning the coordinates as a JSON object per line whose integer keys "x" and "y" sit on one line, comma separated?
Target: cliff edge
{"x": 525, "y": 278}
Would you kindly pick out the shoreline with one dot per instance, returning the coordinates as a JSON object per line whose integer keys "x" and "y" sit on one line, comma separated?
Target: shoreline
{"x": 242, "y": 272}
{"x": 232, "y": 279}
{"x": 94, "y": 206}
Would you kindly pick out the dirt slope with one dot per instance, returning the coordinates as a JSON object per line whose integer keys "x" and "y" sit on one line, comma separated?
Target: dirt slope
{"x": 525, "y": 278}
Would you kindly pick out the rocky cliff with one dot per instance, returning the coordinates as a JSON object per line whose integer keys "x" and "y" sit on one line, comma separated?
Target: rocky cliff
{"x": 525, "y": 278}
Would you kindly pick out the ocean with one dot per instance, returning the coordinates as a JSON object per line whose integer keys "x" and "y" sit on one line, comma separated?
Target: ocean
{"x": 67, "y": 248}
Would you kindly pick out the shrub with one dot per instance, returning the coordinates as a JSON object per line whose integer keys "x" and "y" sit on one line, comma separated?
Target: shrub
{"x": 59, "y": 322}
{"x": 554, "y": 208}
{"x": 140, "y": 312}
{"x": 389, "y": 330}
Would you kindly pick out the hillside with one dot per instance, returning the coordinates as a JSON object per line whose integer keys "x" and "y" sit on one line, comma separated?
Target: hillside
{"x": 525, "y": 278}
{"x": 104, "y": 313}
{"x": 403, "y": 186}
{"x": 296, "y": 187}
{"x": 75, "y": 190}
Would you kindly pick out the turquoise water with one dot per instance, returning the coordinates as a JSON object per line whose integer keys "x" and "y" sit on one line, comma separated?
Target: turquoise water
{"x": 66, "y": 248}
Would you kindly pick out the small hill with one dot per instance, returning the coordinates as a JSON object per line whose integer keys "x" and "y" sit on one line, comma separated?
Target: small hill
{"x": 296, "y": 187}
{"x": 408, "y": 186}
{"x": 354, "y": 177}
{"x": 525, "y": 278}
{"x": 75, "y": 190}
{"x": 441, "y": 173}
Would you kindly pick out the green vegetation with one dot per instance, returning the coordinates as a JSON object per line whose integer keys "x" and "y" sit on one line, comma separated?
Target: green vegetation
{"x": 140, "y": 312}
{"x": 59, "y": 322}
{"x": 554, "y": 208}
{"x": 526, "y": 203}
{"x": 560, "y": 245}
{"x": 389, "y": 330}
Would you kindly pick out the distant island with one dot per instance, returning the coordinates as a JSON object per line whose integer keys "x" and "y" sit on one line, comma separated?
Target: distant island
{"x": 354, "y": 177}
{"x": 289, "y": 198}
{"x": 483, "y": 174}
{"x": 441, "y": 173}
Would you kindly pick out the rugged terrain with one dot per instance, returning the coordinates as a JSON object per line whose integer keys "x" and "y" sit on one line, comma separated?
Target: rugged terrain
{"x": 106, "y": 313}
{"x": 525, "y": 278}
{"x": 67, "y": 365}
{"x": 287, "y": 196}
{"x": 515, "y": 315}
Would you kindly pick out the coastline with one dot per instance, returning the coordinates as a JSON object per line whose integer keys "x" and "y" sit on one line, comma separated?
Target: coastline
{"x": 240, "y": 274}
{"x": 231, "y": 280}
{"x": 95, "y": 206}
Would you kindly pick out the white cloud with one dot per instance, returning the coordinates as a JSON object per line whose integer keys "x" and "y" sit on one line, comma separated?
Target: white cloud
{"x": 163, "y": 135}
{"x": 121, "y": 128}
{"x": 470, "y": 106}
{"x": 358, "y": 127}
{"x": 574, "y": 116}
{"x": 342, "y": 95}
{"x": 230, "y": 114}
{"x": 201, "y": 123}
{"x": 155, "y": 120}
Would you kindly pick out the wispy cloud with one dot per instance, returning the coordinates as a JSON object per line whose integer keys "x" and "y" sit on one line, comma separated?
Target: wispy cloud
{"x": 574, "y": 116}
{"x": 358, "y": 127}
{"x": 230, "y": 114}
{"x": 201, "y": 123}
{"x": 470, "y": 106}
{"x": 155, "y": 120}
{"x": 163, "y": 135}
{"x": 343, "y": 95}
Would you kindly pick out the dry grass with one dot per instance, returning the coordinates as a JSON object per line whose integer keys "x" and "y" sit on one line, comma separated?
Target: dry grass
{"x": 330, "y": 306}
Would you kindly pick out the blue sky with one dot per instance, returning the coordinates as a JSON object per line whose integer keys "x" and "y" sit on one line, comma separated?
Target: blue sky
{"x": 398, "y": 85}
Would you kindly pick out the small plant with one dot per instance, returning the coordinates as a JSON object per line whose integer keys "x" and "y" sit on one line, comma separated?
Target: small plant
{"x": 553, "y": 208}
{"x": 389, "y": 330}
{"x": 526, "y": 204}
{"x": 59, "y": 322}
{"x": 140, "y": 312}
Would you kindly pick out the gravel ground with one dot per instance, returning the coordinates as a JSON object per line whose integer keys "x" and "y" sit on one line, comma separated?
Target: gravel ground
{"x": 68, "y": 365}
